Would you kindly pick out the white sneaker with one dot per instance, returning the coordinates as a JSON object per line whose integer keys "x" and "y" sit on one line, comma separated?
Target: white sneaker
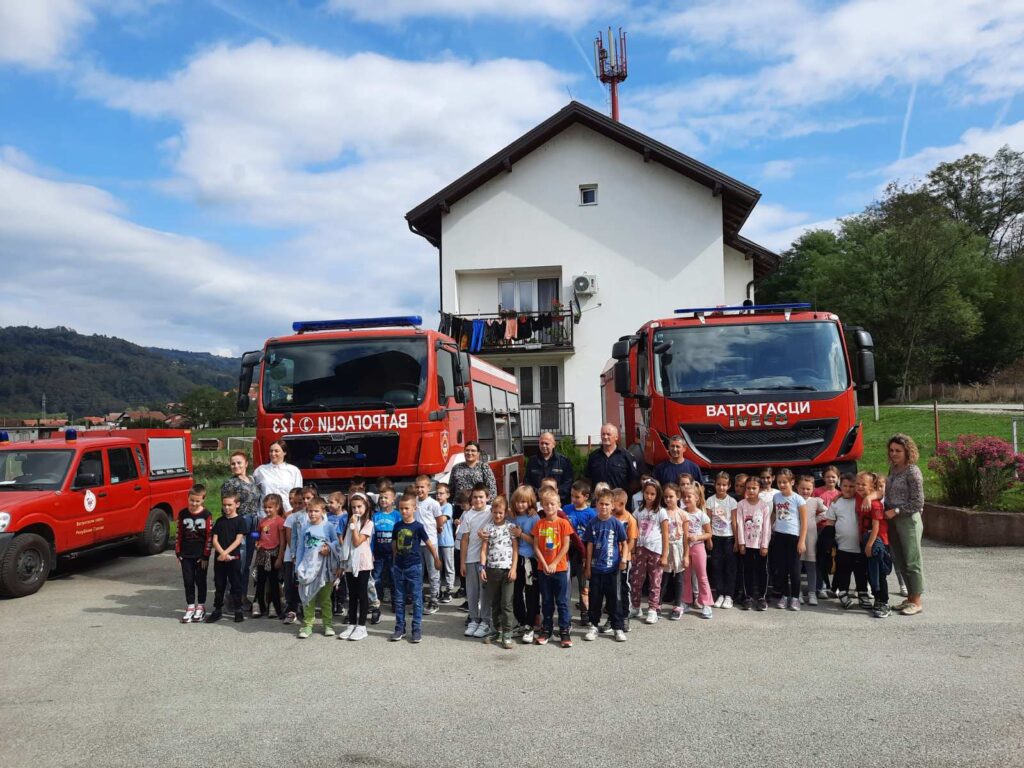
{"x": 189, "y": 613}
{"x": 637, "y": 613}
{"x": 720, "y": 601}
{"x": 528, "y": 636}
{"x": 781, "y": 603}
{"x": 812, "y": 599}
{"x": 620, "y": 636}
{"x": 727, "y": 603}
{"x": 591, "y": 633}
{"x": 822, "y": 595}
{"x": 346, "y": 633}
{"x": 685, "y": 607}
{"x": 652, "y": 617}
{"x": 471, "y": 629}
{"x": 794, "y": 604}
{"x": 705, "y": 612}
{"x": 359, "y": 633}
{"x": 483, "y": 629}
{"x": 803, "y": 599}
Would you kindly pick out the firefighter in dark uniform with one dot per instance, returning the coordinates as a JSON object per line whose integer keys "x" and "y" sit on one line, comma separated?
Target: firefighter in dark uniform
{"x": 549, "y": 463}
{"x": 610, "y": 463}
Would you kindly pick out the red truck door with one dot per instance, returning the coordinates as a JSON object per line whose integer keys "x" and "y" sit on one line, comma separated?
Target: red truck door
{"x": 80, "y": 512}
{"x": 125, "y": 504}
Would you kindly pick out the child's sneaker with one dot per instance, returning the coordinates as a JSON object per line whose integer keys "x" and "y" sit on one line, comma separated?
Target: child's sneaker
{"x": 329, "y": 631}
{"x": 375, "y": 615}
{"x": 289, "y": 618}
{"x": 528, "y": 636}
{"x": 432, "y": 607}
{"x": 359, "y": 633}
{"x": 780, "y": 603}
{"x": 727, "y": 603}
{"x": 652, "y": 616}
{"x": 620, "y": 636}
{"x": 446, "y": 597}
{"x": 199, "y": 615}
{"x": 417, "y": 636}
{"x": 189, "y": 613}
{"x": 637, "y": 613}
{"x": 822, "y": 595}
{"x": 471, "y": 629}
{"x": 845, "y": 600}
{"x": 606, "y": 629}
{"x": 492, "y": 637}
{"x": 762, "y": 604}
{"x": 705, "y": 612}
{"x": 794, "y": 604}
{"x": 464, "y": 606}
{"x": 864, "y": 600}
{"x": 506, "y": 641}
{"x": 482, "y": 629}
{"x": 541, "y": 638}
{"x": 304, "y": 633}
{"x": 564, "y": 639}
{"x": 677, "y": 614}
{"x": 346, "y": 633}
{"x": 256, "y": 612}
{"x": 881, "y": 611}
{"x": 803, "y": 599}
{"x": 214, "y": 616}
{"x": 747, "y": 604}
{"x": 684, "y": 608}
{"x": 239, "y": 616}
{"x": 812, "y": 599}
{"x": 720, "y": 601}
{"x": 903, "y": 591}
{"x": 519, "y": 630}
{"x": 397, "y": 635}
{"x": 591, "y": 634}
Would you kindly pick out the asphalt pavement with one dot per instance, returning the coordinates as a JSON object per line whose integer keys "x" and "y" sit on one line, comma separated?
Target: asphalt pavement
{"x": 96, "y": 670}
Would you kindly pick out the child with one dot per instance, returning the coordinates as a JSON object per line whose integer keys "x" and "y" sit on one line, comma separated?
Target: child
{"x": 525, "y": 595}
{"x": 637, "y": 501}
{"x": 816, "y": 509}
{"x": 407, "y": 568}
{"x": 228, "y": 536}
{"x": 842, "y": 513}
{"x": 606, "y": 558}
{"x": 620, "y": 513}
{"x": 293, "y": 524}
{"x": 579, "y": 513}
{"x": 552, "y": 536}
{"x": 470, "y": 526}
{"x": 790, "y": 536}
{"x": 446, "y": 542}
{"x": 428, "y": 512}
{"x": 192, "y": 546}
{"x": 739, "y": 489}
{"x": 721, "y": 508}
{"x": 767, "y": 477}
{"x": 317, "y": 561}
{"x": 753, "y": 532}
{"x": 384, "y": 521}
{"x": 462, "y": 505}
{"x": 829, "y": 492}
{"x": 357, "y": 563}
{"x": 698, "y": 532}
{"x": 880, "y": 481}
{"x": 269, "y": 556}
{"x": 651, "y": 554}
{"x": 499, "y": 556}
{"x": 874, "y": 539}
{"x": 677, "y": 549}
{"x": 337, "y": 515}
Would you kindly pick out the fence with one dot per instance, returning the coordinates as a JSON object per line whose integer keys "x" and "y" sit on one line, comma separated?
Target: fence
{"x": 559, "y": 418}
{"x": 968, "y": 393}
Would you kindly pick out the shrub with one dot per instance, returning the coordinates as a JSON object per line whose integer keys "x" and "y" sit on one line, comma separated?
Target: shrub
{"x": 975, "y": 470}
{"x": 568, "y": 448}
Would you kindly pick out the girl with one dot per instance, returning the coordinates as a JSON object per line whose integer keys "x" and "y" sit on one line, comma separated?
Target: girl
{"x": 698, "y": 531}
{"x": 525, "y": 596}
{"x": 825, "y": 544}
{"x": 880, "y": 483}
{"x": 829, "y": 492}
{"x": 268, "y": 559}
{"x": 816, "y": 508}
{"x": 874, "y": 543}
{"x": 789, "y": 536}
{"x": 357, "y": 562}
{"x": 461, "y": 507}
{"x": 651, "y": 554}
{"x": 721, "y": 509}
{"x": 677, "y": 545}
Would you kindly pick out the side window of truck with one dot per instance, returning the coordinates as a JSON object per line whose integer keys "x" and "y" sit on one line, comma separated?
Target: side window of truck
{"x": 142, "y": 460}
{"x": 122, "y": 465}
{"x": 90, "y": 470}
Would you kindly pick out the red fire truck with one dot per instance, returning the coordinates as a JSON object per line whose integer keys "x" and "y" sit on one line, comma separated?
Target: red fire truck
{"x": 745, "y": 386}
{"x": 380, "y": 397}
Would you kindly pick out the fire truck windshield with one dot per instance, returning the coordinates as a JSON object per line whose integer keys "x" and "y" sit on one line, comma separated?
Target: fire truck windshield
{"x": 339, "y": 375}
{"x": 761, "y": 357}
{"x": 33, "y": 470}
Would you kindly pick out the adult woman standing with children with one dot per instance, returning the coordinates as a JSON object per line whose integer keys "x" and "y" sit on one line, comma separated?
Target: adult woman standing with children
{"x": 277, "y": 475}
{"x": 904, "y": 503}
{"x": 472, "y": 471}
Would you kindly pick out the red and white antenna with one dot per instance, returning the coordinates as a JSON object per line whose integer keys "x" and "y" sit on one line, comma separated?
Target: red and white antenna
{"x": 610, "y": 65}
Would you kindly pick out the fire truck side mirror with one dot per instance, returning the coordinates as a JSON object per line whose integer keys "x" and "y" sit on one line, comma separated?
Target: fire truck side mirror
{"x": 462, "y": 395}
{"x": 622, "y": 378}
{"x": 620, "y": 349}
{"x": 249, "y": 362}
{"x": 865, "y": 373}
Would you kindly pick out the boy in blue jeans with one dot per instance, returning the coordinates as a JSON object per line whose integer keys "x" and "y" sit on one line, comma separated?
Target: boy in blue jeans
{"x": 606, "y": 558}
{"x": 384, "y": 521}
{"x": 407, "y": 571}
{"x": 551, "y": 537}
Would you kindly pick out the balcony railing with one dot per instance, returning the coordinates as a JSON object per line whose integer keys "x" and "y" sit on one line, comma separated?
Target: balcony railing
{"x": 559, "y": 418}
{"x": 514, "y": 332}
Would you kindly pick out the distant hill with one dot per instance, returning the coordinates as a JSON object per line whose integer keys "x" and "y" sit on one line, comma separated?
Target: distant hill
{"x": 93, "y": 375}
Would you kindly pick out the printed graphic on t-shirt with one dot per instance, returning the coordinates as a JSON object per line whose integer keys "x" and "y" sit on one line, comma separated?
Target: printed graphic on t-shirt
{"x": 194, "y": 524}
{"x": 752, "y": 522}
{"x": 499, "y": 545}
{"x": 783, "y": 508}
{"x": 405, "y": 541}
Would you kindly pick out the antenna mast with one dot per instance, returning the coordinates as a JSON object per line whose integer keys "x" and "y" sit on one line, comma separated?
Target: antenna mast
{"x": 610, "y": 65}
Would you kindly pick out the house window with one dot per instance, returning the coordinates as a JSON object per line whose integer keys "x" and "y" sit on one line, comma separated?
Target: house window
{"x": 588, "y": 194}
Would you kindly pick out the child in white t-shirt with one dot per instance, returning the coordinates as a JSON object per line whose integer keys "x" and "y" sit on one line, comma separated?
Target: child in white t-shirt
{"x": 843, "y": 515}
{"x": 721, "y": 509}
{"x": 651, "y": 554}
{"x": 677, "y": 549}
{"x": 816, "y": 509}
{"x": 698, "y": 532}
{"x": 472, "y": 521}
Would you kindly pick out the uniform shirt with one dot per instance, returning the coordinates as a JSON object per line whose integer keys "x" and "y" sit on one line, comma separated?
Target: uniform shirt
{"x": 499, "y": 545}
{"x": 720, "y": 511}
{"x": 618, "y": 470}
{"x": 548, "y": 538}
{"x": 558, "y": 467}
{"x": 606, "y": 536}
{"x": 195, "y": 534}
{"x": 666, "y": 472}
{"x": 787, "y": 513}
{"x": 754, "y": 522}
{"x": 407, "y": 538}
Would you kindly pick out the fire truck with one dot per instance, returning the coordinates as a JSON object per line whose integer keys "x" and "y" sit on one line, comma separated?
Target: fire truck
{"x": 745, "y": 387}
{"x": 375, "y": 397}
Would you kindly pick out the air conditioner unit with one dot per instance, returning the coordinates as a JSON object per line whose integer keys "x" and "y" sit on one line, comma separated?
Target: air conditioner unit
{"x": 584, "y": 285}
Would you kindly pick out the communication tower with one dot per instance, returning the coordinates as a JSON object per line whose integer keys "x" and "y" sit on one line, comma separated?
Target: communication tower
{"x": 610, "y": 65}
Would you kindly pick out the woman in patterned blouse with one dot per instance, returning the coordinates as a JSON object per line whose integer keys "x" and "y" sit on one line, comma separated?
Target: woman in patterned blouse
{"x": 904, "y": 503}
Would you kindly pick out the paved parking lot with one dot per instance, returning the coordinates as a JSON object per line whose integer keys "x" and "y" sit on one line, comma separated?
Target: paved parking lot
{"x": 96, "y": 671}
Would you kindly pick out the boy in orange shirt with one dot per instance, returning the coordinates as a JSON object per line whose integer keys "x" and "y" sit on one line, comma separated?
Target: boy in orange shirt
{"x": 551, "y": 537}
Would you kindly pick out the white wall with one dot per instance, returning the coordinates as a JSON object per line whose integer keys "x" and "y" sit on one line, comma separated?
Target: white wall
{"x": 654, "y": 240}
{"x": 738, "y": 272}
{"x": 477, "y": 291}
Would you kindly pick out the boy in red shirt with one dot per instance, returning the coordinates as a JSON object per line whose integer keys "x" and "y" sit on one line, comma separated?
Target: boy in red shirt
{"x": 874, "y": 539}
{"x": 551, "y": 537}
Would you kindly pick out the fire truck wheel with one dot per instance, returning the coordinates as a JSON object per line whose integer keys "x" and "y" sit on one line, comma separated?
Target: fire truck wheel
{"x": 25, "y": 565}
{"x": 153, "y": 539}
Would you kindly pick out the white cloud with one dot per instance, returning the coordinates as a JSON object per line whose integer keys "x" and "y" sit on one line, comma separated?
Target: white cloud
{"x": 776, "y": 227}
{"x": 779, "y": 170}
{"x": 981, "y": 141}
{"x": 37, "y": 33}
{"x": 565, "y": 11}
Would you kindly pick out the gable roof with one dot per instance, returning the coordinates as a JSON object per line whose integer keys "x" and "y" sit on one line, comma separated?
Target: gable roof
{"x": 738, "y": 199}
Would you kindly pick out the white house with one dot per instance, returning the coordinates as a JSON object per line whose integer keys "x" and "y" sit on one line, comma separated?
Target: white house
{"x": 646, "y": 227}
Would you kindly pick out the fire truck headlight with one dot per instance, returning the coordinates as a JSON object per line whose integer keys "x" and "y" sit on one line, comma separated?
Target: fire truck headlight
{"x": 5, "y": 520}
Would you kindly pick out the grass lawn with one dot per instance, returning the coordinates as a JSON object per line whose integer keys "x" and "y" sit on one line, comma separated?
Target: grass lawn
{"x": 920, "y": 425}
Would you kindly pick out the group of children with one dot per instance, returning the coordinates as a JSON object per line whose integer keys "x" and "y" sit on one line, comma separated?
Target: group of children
{"x": 516, "y": 557}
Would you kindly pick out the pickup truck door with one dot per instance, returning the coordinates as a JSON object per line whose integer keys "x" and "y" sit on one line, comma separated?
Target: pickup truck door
{"x": 81, "y": 511}
{"x": 126, "y": 501}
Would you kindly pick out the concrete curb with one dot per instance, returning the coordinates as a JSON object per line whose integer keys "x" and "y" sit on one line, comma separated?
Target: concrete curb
{"x": 973, "y": 528}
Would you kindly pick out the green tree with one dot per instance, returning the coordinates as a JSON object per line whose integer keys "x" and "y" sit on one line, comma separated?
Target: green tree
{"x": 205, "y": 406}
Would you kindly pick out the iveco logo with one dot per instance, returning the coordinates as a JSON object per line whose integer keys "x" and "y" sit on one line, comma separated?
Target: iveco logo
{"x": 757, "y": 420}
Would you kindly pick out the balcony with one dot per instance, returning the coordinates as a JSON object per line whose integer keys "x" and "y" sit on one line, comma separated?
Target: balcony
{"x": 559, "y": 418}
{"x": 529, "y": 332}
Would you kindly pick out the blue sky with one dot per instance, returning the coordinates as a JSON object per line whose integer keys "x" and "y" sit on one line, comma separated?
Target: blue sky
{"x": 199, "y": 173}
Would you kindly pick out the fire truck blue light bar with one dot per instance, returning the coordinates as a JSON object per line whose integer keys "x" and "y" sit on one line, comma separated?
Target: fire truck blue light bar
{"x": 406, "y": 321}
{"x": 751, "y": 308}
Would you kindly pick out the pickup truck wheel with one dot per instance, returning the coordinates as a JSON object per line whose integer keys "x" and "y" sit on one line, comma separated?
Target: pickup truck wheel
{"x": 154, "y": 536}
{"x": 25, "y": 565}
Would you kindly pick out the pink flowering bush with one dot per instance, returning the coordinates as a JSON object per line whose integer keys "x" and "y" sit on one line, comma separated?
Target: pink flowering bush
{"x": 975, "y": 470}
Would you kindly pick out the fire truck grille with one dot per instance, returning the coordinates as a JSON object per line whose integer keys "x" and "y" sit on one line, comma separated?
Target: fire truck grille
{"x": 803, "y": 442}
{"x": 366, "y": 449}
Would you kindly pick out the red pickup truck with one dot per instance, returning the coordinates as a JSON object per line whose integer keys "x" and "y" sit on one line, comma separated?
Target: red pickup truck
{"x": 63, "y": 496}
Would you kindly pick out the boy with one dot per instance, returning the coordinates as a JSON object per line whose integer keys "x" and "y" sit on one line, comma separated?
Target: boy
{"x": 228, "y": 535}
{"x": 427, "y": 512}
{"x": 384, "y": 521}
{"x": 192, "y": 546}
{"x": 552, "y": 536}
{"x": 620, "y": 513}
{"x": 842, "y": 514}
{"x": 499, "y": 559}
{"x": 293, "y": 525}
{"x": 580, "y": 513}
{"x": 338, "y": 517}
{"x": 446, "y": 542}
{"x": 317, "y": 561}
{"x": 472, "y": 521}
{"x": 407, "y": 569}
{"x": 753, "y": 535}
{"x": 462, "y": 505}
{"x": 607, "y": 550}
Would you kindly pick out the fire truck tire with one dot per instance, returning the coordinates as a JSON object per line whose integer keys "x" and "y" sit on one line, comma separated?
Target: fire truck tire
{"x": 153, "y": 539}
{"x": 25, "y": 565}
